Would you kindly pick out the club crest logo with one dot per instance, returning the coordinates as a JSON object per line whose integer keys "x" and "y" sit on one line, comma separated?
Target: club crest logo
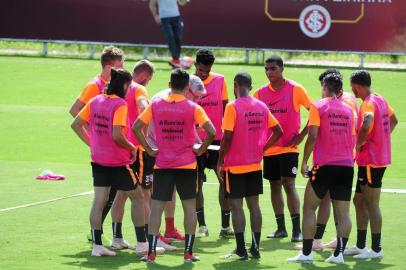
{"x": 315, "y": 21}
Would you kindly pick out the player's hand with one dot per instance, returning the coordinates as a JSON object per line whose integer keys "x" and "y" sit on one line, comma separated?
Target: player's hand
{"x": 199, "y": 151}
{"x": 295, "y": 141}
{"x": 152, "y": 152}
{"x": 157, "y": 20}
{"x": 305, "y": 170}
{"x": 220, "y": 172}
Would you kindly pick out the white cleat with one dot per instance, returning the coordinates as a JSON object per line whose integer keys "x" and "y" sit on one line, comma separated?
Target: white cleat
{"x": 119, "y": 243}
{"x": 355, "y": 251}
{"x": 301, "y": 258}
{"x": 141, "y": 249}
{"x": 99, "y": 251}
{"x": 202, "y": 231}
{"x": 317, "y": 245}
{"x": 332, "y": 244}
{"x": 337, "y": 260}
{"x": 166, "y": 247}
{"x": 370, "y": 255}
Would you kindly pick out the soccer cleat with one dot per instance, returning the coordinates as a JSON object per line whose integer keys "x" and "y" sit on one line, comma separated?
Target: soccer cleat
{"x": 141, "y": 249}
{"x": 149, "y": 258}
{"x": 370, "y": 255}
{"x": 175, "y": 63}
{"x": 242, "y": 256}
{"x": 332, "y": 244}
{"x": 296, "y": 237}
{"x": 164, "y": 239}
{"x": 317, "y": 245}
{"x": 337, "y": 260}
{"x": 189, "y": 258}
{"x": 355, "y": 251}
{"x": 278, "y": 234}
{"x": 99, "y": 250}
{"x": 202, "y": 231}
{"x": 119, "y": 243}
{"x": 255, "y": 253}
{"x": 174, "y": 235}
{"x": 301, "y": 258}
{"x": 226, "y": 232}
{"x": 165, "y": 246}
{"x": 104, "y": 239}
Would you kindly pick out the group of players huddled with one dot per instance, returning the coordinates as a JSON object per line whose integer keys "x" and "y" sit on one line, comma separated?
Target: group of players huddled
{"x": 149, "y": 149}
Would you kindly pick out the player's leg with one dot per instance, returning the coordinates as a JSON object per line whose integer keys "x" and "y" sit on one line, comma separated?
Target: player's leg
{"x": 202, "y": 230}
{"x": 171, "y": 232}
{"x": 256, "y": 224}
{"x": 117, "y": 214}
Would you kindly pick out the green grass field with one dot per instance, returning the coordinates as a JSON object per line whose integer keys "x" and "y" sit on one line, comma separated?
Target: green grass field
{"x": 36, "y": 96}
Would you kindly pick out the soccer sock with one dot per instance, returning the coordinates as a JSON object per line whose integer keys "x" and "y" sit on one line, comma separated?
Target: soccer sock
{"x": 320, "y": 231}
{"x": 307, "y": 246}
{"x": 189, "y": 241}
{"x": 200, "y": 216}
{"x": 140, "y": 234}
{"x": 96, "y": 237}
{"x": 169, "y": 224}
{"x": 341, "y": 243}
{"x": 117, "y": 230}
{"x": 225, "y": 218}
{"x": 108, "y": 205}
{"x": 152, "y": 240}
{"x": 256, "y": 238}
{"x": 280, "y": 220}
{"x": 295, "y": 223}
{"x": 240, "y": 239}
{"x": 376, "y": 242}
{"x": 361, "y": 238}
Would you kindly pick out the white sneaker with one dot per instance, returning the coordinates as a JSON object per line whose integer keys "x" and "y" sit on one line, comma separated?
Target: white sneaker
{"x": 355, "y": 251}
{"x": 99, "y": 251}
{"x": 317, "y": 245}
{"x": 301, "y": 258}
{"x": 370, "y": 255}
{"x": 333, "y": 259}
{"x": 165, "y": 246}
{"x": 202, "y": 231}
{"x": 141, "y": 249}
{"x": 119, "y": 243}
{"x": 332, "y": 244}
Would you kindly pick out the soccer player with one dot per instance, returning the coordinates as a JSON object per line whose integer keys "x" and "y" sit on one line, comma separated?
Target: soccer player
{"x": 102, "y": 124}
{"x": 247, "y": 125}
{"x": 174, "y": 121}
{"x": 111, "y": 57}
{"x": 376, "y": 122}
{"x": 284, "y": 99}
{"x": 214, "y": 104}
{"x": 331, "y": 139}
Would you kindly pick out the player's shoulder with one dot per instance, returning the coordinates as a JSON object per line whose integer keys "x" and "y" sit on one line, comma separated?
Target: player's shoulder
{"x": 297, "y": 86}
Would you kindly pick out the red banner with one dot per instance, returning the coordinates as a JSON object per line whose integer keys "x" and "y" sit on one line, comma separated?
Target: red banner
{"x": 344, "y": 25}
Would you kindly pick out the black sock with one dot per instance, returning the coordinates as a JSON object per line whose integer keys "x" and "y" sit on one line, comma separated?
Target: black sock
{"x": 361, "y": 238}
{"x": 240, "y": 239}
{"x": 140, "y": 234}
{"x": 280, "y": 220}
{"x": 189, "y": 241}
{"x": 152, "y": 240}
{"x": 225, "y": 218}
{"x": 96, "y": 237}
{"x": 109, "y": 203}
{"x": 341, "y": 243}
{"x": 256, "y": 239}
{"x": 200, "y": 216}
{"x": 376, "y": 242}
{"x": 117, "y": 230}
{"x": 295, "y": 223}
{"x": 307, "y": 246}
{"x": 146, "y": 230}
{"x": 320, "y": 231}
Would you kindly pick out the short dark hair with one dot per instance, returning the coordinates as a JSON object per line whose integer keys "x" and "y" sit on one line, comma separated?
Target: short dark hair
{"x": 119, "y": 77}
{"x": 275, "y": 59}
{"x": 329, "y": 71}
{"x": 179, "y": 79}
{"x": 333, "y": 82}
{"x": 361, "y": 77}
{"x": 144, "y": 66}
{"x": 205, "y": 57}
{"x": 243, "y": 79}
{"x": 110, "y": 54}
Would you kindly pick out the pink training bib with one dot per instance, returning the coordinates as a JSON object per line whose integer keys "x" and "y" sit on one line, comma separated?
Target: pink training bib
{"x": 250, "y": 132}
{"x": 104, "y": 150}
{"x": 212, "y": 104}
{"x": 377, "y": 148}
{"x": 353, "y": 99}
{"x": 100, "y": 84}
{"x": 335, "y": 140}
{"x": 133, "y": 112}
{"x": 175, "y": 132}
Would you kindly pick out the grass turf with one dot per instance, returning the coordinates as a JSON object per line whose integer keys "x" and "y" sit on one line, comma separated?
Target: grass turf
{"x": 37, "y": 94}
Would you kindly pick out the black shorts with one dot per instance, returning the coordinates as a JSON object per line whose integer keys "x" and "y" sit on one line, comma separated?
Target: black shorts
{"x": 165, "y": 180}
{"x": 283, "y": 165}
{"x": 243, "y": 184}
{"x": 369, "y": 175}
{"x": 207, "y": 161}
{"x": 334, "y": 179}
{"x": 120, "y": 178}
{"x": 144, "y": 165}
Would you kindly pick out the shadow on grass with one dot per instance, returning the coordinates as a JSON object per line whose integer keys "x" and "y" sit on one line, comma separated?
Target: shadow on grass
{"x": 243, "y": 265}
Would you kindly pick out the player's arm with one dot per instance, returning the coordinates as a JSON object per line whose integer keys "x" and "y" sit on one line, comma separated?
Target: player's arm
{"x": 153, "y": 7}
{"x": 363, "y": 131}
{"x": 393, "y": 119}
{"x": 203, "y": 120}
{"x": 224, "y": 96}
{"x": 77, "y": 106}
{"x": 224, "y": 147}
{"x": 119, "y": 128}
{"x": 138, "y": 127}
{"x": 308, "y": 149}
{"x": 80, "y": 124}
{"x": 277, "y": 132}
